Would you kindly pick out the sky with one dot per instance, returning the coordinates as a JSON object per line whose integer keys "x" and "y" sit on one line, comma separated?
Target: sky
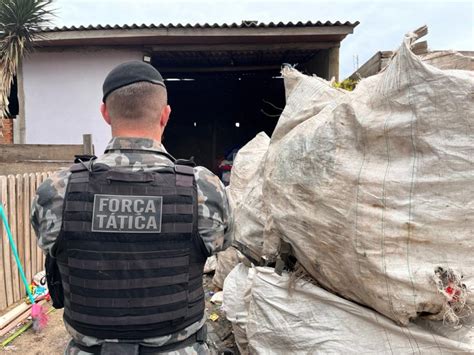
{"x": 382, "y": 23}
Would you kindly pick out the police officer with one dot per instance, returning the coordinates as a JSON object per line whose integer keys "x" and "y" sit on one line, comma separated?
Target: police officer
{"x": 131, "y": 230}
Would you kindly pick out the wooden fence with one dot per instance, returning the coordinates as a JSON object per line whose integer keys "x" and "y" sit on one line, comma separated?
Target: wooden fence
{"x": 16, "y": 194}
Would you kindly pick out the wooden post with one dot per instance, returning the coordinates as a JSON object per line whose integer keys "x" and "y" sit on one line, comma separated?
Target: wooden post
{"x": 20, "y": 221}
{"x": 12, "y": 218}
{"x": 26, "y": 226}
{"x": 37, "y": 267}
{"x": 10, "y": 316}
{"x": 87, "y": 143}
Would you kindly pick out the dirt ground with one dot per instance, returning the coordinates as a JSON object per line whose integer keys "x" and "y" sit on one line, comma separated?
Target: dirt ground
{"x": 53, "y": 339}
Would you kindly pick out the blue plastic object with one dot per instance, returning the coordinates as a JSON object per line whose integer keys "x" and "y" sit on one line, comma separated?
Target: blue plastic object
{"x": 15, "y": 254}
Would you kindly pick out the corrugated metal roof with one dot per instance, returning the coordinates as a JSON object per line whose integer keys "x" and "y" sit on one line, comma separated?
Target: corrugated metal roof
{"x": 244, "y": 24}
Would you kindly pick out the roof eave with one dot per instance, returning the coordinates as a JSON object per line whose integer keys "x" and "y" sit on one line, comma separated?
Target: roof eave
{"x": 166, "y": 35}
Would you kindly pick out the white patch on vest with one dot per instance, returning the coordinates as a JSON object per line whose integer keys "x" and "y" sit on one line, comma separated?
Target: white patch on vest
{"x": 121, "y": 221}
{"x": 139, "y": 222}
{"x": 101, "y": 220}
{"x": 138, "y": 206}
{"x": 123, "y": 214}
{"x": 114, "y": 205}
{"x": 127, "y": 206}
{"x": 111, "y": 223}
{"x": 151, "y": 223}
{"x": 150, "y": 207}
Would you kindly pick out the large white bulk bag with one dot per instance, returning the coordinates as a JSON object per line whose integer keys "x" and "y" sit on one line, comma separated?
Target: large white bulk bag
{"x": 226, "y": 261}
{"x": 306, "y": 96}
{"x": 237, "y": 288}
{"x": 245, "y": 168}
{"x": 296, "y": 317}
{"x": 246, "y": 189}
{"x": 375, "y": 192}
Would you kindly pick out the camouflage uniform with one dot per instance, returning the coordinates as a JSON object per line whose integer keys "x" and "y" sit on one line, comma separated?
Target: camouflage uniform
{"x": 214, "y": 219}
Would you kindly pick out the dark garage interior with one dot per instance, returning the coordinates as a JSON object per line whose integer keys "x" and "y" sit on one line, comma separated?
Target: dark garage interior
{"x": 221, "y": 99}
{"x": 215, "y": 114}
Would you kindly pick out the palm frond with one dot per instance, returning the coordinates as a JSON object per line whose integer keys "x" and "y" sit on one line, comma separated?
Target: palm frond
{"x": 20, "y": 24}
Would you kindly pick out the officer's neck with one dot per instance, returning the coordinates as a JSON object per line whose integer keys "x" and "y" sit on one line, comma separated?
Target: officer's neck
{"x": 137, "y": 133}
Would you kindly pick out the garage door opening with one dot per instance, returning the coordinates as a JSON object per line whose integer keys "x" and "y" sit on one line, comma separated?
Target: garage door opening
{"x": 224, "y": 90}
{"x": 216, "y": 113}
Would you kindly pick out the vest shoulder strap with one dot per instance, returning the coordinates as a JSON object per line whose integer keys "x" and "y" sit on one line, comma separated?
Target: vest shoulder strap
{"x": 186, "y": 162}
{"x": 184, "y": 170}
{"x": 82, "y": 163}
{"x": 82, "y": 166}
{"x": 184, "y": 175}
{"x": 83, "y": 158}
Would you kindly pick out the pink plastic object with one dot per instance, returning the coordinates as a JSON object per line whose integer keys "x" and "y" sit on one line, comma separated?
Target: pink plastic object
{"x": 39, "y": 316}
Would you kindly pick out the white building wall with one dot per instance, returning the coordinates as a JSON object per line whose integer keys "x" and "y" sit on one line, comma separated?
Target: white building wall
{"x": 63, "y": 92}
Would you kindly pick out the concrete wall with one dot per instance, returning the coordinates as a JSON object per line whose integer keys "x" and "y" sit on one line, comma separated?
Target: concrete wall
{"x": 63, "y": 91}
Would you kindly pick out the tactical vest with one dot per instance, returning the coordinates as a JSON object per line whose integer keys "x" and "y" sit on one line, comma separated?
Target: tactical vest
{"x": 129, "y": 253}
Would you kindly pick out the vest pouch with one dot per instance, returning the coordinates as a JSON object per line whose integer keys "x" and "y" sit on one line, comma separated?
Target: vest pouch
{"x": 53, "y": 278}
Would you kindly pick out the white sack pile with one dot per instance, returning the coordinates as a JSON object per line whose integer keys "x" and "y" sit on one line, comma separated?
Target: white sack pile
{"x": 296, "y": 317}
{"x": 373, "y": 190}
{"x": 306, "y": 96}
{"x": 210, "y": 265}
{"x": 244, "y": 193}
{"x": 245, "y": 168}
{"x": 237, "y": 289}
{"x": 245, "y": 188}
{"x": 226, "y": 261}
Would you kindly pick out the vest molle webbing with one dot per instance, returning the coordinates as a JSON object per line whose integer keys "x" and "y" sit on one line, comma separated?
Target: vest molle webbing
{"x": 129, "y": 253}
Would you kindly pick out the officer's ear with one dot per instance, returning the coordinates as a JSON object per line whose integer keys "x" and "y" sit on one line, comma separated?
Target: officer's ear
{"x": 105, "y": 113}
{"x": 165, "y": 116}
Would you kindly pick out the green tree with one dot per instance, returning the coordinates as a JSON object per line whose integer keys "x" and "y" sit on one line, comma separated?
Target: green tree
{"x": 20, "y": 24}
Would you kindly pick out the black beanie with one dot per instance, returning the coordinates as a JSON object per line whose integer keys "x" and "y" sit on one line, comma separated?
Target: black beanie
{"x": 129, "y": 73}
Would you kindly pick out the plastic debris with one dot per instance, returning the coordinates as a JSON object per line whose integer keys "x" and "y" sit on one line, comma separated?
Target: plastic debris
{"x": 214, "y": 316}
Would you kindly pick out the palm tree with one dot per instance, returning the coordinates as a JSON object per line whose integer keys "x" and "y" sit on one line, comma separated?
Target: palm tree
{"x": 20, "y": 22}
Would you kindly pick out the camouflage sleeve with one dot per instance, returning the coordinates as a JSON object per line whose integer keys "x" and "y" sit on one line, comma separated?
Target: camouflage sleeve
{"x": 215, "y": 219}
{"x": 47, "y": 209}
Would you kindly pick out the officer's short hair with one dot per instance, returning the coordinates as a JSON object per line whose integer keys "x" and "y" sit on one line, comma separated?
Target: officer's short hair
{"x": 142, "y": 100}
